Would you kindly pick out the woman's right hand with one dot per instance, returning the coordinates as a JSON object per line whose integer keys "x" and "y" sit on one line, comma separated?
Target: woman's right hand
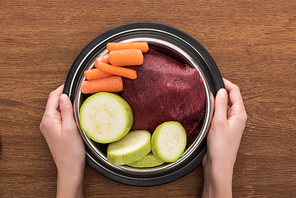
{"x": 223, "y": 141}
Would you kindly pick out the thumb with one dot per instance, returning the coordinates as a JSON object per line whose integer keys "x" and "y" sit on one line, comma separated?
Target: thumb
{"x": 66, "y": 111}
{"x": 221, "y": 105}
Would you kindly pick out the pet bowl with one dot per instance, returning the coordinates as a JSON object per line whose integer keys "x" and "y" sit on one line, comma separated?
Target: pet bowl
{"x": 174, "y": 43}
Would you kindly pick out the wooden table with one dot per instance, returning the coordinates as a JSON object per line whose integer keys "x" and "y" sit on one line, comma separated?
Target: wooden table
{"x": 253, "y": 43}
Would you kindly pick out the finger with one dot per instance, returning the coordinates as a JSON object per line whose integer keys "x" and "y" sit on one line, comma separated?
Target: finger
{"x": 234, "y": 95}
{"x": 221, "y": 104}
{"x": 237, "y": 110}
{"x": 53, "y": 100}
{"x": 66, "y": 112}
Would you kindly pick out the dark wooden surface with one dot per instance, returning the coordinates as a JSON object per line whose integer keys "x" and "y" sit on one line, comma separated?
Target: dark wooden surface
{"x": 253, "y": 43}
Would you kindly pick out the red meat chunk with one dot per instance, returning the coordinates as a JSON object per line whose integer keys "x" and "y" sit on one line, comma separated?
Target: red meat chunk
{"x": 166, "y": 90}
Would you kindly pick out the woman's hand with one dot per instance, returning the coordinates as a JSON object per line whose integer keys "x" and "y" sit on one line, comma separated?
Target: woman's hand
{"x": 223, "y": 142}
{"x": 65, "y": 143}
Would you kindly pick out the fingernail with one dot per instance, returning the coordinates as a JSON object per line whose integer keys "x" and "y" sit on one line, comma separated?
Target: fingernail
{"x": 222, "y": 93}
{"x": 63, "y": 99}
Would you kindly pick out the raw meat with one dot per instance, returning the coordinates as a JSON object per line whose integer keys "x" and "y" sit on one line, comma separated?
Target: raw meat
{"x": 166, "y": 90}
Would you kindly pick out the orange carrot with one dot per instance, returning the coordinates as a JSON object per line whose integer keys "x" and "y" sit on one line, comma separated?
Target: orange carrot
{"x": 109, "y": 84}
{"x": 120, "y": 71}
{"x": 95, "y": 74}
{"x": 143, "y": 46}
{"x": 126, "y": 57}
{"x": 103, "y": 59}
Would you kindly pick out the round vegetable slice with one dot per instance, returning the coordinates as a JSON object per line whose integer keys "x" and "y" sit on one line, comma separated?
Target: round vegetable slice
{"x": 147, "y": 161}
{"x": 134, "y": 146}
{"x": 105, "y": 117}
{"x": 168, "y": 141}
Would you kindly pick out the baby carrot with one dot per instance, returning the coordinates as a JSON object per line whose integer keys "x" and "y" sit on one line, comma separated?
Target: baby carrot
{"x": 120, "y": 71}
{"x": 143, "y": 46}
{"x": 95, "y": 74}
{"x": 109, "y": 84}
{"x": 103, "y": 59}
{"x": 126, "y": 57}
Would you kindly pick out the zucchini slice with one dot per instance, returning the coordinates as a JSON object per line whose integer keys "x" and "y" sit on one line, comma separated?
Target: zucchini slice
{"x": 105, "y": 117}
{"x": 148, "y": 161}
{"x": 168, "y": 141}
{"x": 134, "y": 146}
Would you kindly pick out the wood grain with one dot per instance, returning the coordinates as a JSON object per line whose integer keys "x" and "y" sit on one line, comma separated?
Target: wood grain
{"x": 253, "y": 43}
